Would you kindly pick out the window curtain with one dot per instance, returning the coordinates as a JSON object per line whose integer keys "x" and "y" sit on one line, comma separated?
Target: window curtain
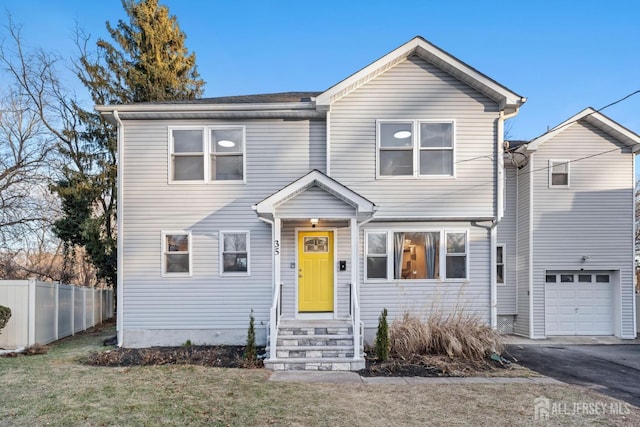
{"x": 431, "y": 253}
{"x": 398, "y": 244}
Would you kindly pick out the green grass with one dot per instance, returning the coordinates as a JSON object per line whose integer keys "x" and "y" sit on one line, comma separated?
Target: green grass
{"x": 56, "y": 389}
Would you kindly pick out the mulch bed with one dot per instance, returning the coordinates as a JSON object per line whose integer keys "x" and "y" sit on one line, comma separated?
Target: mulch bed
{"x": 227, "y": 356}
{"x": 231, "y": 357}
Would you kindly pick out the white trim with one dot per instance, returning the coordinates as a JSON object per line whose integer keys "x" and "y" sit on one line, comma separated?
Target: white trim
{"x": 207, "y": 153}
{"x": 416, "y": 148}
{"x": 328, "y": 137}
{"x": 598, "y": 120}
{"x": 164, "y": 252}
{"x": 319, "y": 315}
{"x": 493, "y": 297}
{"x": 221, "y": 271}
{"x": 633, "y": 251}
{"x": 317, "y": 178}
{"x": 121, "y": 233}
{"x": 552, "y": 163}
{"x": 466, "y": 253}
{"x": 366, "y": 255}
{"x": 432, "y": 54}
{"x": 530, "y": 260}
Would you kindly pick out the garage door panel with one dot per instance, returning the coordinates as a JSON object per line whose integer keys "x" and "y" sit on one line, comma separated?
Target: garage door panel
{"x": 581, "y": 307}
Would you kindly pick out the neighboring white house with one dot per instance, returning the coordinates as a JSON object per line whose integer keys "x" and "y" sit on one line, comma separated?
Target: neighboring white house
{"x": 318, "y": 210}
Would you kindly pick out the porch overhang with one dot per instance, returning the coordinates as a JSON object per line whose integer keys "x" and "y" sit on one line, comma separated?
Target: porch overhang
{"x": 364, "y": 208}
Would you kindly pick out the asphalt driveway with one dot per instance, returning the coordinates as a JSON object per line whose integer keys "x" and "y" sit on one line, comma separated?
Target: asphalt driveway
{"x": 610, "y": 369}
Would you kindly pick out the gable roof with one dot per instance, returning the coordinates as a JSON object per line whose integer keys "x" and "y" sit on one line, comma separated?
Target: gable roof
{"x": 508, "y": 100}
{"x": 595, "y": 118}
{"x": 315, "y": 178}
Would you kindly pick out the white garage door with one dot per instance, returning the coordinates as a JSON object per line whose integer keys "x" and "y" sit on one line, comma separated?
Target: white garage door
{"x": 579, "y": 303}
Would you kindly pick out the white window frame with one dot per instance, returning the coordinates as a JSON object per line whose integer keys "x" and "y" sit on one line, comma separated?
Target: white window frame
{"x": 503, "y": 264}
{"x": 552, "y": 163}
{"x": 442, "y": 253}
{"x": 415, "y": 140}
{"x": 221, "y": 252}
{"x": 465, "y": 254}
{"x": 207, "y": 153}
{"x": 366, "y": 255}
{"x": 164, "y": 252}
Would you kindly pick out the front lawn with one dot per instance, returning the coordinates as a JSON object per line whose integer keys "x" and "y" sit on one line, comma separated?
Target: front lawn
{"x": 57, "y": 389}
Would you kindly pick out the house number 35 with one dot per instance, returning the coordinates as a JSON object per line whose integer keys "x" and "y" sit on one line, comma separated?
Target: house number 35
{"x": 276, "y": 247}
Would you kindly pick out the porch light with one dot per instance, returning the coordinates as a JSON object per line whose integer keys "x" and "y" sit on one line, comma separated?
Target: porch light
{"x": 314, "y": 222}
{"x": 402, "y": 134}
{"x": 226, "y": 143}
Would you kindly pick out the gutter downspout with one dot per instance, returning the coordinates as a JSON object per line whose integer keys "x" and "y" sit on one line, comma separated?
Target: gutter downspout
{"x": 119, "y": 225}
{"x": 499, "y": 212}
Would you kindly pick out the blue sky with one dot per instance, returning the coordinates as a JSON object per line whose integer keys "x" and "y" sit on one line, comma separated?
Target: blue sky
{"x": 562, "y": 55}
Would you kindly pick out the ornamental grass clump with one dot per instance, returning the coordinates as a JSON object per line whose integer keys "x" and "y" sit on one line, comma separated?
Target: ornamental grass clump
{"x": 456, "y": 335}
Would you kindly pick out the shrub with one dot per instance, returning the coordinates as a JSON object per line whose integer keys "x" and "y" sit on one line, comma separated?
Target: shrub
{"x": 456, "y": 335}
{"x": 383, "y": 343}
{"x": 5, "y": 315}
{"x": 250, "y": 351}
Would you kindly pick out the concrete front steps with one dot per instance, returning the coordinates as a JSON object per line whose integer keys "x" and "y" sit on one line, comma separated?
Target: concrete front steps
{"x": 314, "y": 345}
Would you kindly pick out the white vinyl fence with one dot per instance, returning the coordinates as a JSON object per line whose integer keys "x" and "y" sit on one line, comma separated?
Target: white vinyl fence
{"x": 45, "y": 312}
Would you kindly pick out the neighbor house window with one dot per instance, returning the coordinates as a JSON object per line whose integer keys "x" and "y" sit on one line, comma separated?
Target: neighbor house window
{"x": 176, "y": 253}
{"x": 500, "y": 264}
{"x": 558, "y": 173}
{"x": 187, "y": 155}
{"x": 234, "y": 252}
{"x": 207, "y": 154}
{"x": 416, "y": 255}
{"x": 415, "y": 148}
{"x": 376, "y": 255}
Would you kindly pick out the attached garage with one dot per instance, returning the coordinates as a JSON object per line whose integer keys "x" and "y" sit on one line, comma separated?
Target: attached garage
{"x": 579, "y": 303}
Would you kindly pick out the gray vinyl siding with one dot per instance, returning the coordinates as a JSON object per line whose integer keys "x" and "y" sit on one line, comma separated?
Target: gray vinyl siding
{"x": 415, "y": 89}
{"x": 277, "y": 153}
{"x": 315, "y": 203}
{"x": 523, "y": 250}
{"x": 424, "y": 297}
{"x": 593, "y": 217}
{"x": 507, "y": 236}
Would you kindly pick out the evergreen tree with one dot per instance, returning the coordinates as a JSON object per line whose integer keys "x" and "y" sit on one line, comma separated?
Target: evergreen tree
{"x": 383, "y": 341}
{"x": 250, "y": 351}
{"x": 148, "y": 63}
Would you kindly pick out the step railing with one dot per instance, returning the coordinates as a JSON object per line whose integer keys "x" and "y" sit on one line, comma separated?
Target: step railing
{"x": 355, "y": 319}
{"x": 274, "y": 321}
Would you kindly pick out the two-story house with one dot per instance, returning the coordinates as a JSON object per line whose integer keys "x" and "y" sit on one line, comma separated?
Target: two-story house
{"x": 318, "y": 210}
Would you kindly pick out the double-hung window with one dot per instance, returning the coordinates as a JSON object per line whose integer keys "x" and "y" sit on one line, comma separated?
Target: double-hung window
{"x": 187, "y": 155}
{"x": 415, "y": 148}
{"x": 207, "y": 154}
{"x": 234, "y": 252}
{"x": 416, "y": 255}
{"x": 558, "y": 173}
{"x": 500, "y": 267}
{"x": 176, "y": 253}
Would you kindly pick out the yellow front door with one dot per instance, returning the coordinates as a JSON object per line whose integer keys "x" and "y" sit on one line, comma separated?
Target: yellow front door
{"x": 315, "y": 271}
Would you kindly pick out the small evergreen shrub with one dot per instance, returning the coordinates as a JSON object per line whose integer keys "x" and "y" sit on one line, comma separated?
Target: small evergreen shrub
{"x": 250, "y": 351}
{"x": 383, "y": 343}
{"x": 5, "y": 315}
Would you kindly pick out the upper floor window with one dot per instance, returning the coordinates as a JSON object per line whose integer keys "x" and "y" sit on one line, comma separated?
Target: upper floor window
{"x": 415, "y": 148}
{"x": 207, "y": 154}
{"x": 558, "y": 173}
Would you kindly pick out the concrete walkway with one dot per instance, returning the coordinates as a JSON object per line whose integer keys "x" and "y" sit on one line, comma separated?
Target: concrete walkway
{"x": 339, "y": 377}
